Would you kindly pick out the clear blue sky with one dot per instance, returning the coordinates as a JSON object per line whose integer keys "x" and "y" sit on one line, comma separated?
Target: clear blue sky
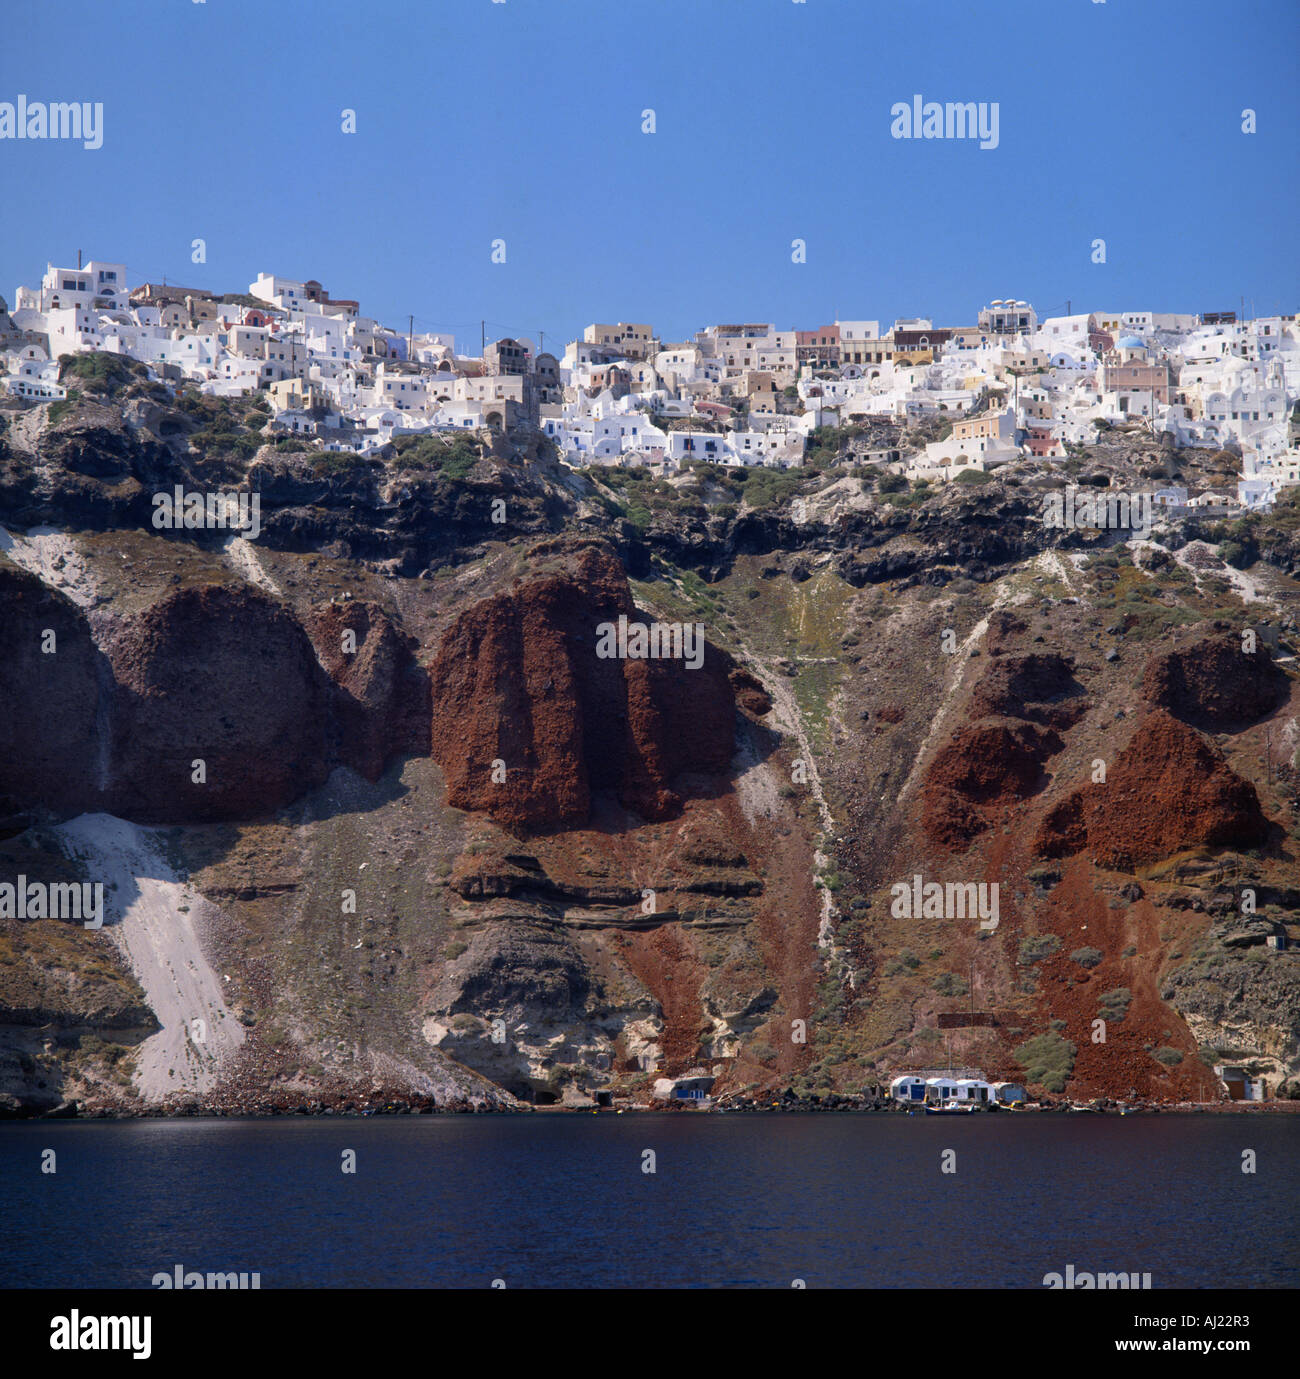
{"x": 522, "y": 121}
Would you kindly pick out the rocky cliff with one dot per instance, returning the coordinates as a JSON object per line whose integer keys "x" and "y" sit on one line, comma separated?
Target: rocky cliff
{"x": 518, "y": 680}
{"x": 367, "y": 789}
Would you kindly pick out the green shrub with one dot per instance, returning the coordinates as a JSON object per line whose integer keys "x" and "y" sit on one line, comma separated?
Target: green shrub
{"x": 765, "y": 488}
{"x": 1114, "y": 1004}
{"x": 1036, "y": 947}
{"x": 1087, "y": 957}
{"x": 1048, "y": 1059}
{"x": 63, "y": 406}
{"x": 101, "y": 373}
{"x": 906, "y": 961}
{"x": 451, "y": 457}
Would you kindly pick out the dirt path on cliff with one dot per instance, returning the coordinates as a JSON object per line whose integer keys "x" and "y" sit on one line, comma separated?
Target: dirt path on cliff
{"x": 153, "y": 917}
{"x": 54, "y": 559}
{"x": 1004, "y": 596}
{"x": 789, "y": 719}
{"x": 242, "y": 554}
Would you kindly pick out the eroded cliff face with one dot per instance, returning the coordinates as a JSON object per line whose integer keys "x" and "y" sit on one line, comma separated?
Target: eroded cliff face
{"x": 1221, "y": 681}
{"x": 217, "y": 708}
{"x": 381, "y": 705}
{"x": 1169, "y": 791}
{"x": 50, "y": 678}
{"x": 1131, "y": 856}
{"x": 530, "y": 721}
{"x": 212, "y": 702}
{"x": 634, "y": 894}
{"x": 443, "y": 853}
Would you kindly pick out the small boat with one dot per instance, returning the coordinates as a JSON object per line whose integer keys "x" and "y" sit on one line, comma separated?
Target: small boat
{"x": 951, "y": 1108}
{"x": 1075, "y": 1106}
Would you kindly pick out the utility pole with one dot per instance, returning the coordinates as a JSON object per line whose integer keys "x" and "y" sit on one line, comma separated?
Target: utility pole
{"x": 410, "y": 339}
{"x": 482, "y": 338}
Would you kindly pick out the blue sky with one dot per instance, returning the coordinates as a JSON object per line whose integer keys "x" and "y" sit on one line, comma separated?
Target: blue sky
{"x": 522, "y": 121}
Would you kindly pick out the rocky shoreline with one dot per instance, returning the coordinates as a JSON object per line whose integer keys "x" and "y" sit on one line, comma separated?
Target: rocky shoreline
{"x": 785, "y": 1102}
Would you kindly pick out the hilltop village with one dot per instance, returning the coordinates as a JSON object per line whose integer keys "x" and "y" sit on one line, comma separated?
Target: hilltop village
{"x": 940, "y": 794}
{"x": 1008, "y": 387}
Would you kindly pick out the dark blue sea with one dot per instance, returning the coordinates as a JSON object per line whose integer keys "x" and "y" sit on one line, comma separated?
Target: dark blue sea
{"x": 554, "y": 1201}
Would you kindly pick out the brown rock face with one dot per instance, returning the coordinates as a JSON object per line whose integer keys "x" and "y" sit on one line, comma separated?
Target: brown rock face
{"x": 224, "y": 675}
{"x": 1039, "y": 686}
{"x": 750, "y": 694}
{"x": 1169, "y": 790}
{"x": 996, "y": 757}
{"x": 1064, "y": 829}
{"x": 517, "y": 680}
{"x": 1214, "y": 683}
{"x": 380, "y": 706}
{"x": 993, "y": 762}
{"x": 1005, "y": 629}
{"x": 115, "y": 714}
{"x": 49, "y": 690}
{"x": 989, "y": 763}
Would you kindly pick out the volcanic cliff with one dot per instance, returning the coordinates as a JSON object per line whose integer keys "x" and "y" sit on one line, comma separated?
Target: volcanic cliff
{"x": 368, "y": 785}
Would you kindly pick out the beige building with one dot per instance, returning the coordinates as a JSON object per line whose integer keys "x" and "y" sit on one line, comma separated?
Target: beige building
{"x": 636, "y": 340}
{"x": 295, "y": 394}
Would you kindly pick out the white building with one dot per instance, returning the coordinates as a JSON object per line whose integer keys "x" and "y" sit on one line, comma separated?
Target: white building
{"x": 99, "y": 286}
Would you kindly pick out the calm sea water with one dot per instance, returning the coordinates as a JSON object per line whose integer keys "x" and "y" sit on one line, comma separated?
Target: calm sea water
{"x": 562, "y": 1201}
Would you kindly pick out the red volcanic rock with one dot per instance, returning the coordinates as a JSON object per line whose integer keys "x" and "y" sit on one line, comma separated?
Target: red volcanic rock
{"x": 993, "y": 762}
{"x": 1064, "y": 829}
{"x": 50, "y": 693}
{"x": 224, "y": 675}
{"x": 997, "y": 756}
{"x": 1214, "y": 683}
{"x": 380, "y": 706}
{"x": 517, "y": 681}
{"x": 1004, "y": 629}
{"x": 750, "y": 694}
{"x": 950, "y": 820}
{"x": 982, "y": 767}
{"x": 983, "y": 764}
{"x": 1040, "y": 686}
{"x": 1169, "y": 790}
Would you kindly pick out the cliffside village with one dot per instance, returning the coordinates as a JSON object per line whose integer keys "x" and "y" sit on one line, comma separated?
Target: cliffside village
{"x": 1011, "y": 385}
